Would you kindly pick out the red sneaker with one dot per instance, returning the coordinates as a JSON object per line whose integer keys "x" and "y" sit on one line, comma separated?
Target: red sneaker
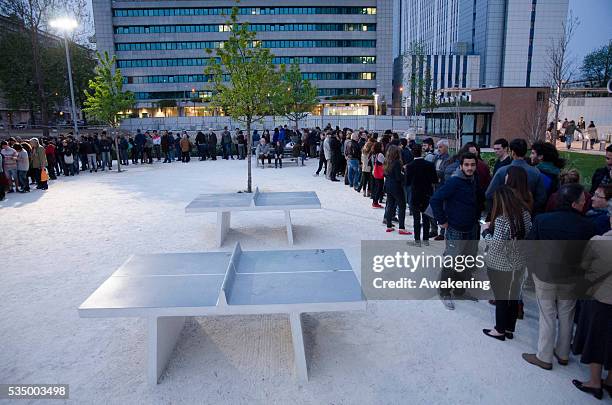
{"x": 390, "y": 229}
{"x": 404, "y": 232}
{"x": 376, "y": 205}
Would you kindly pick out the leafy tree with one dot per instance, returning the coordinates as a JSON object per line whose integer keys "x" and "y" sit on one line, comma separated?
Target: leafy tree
{"x": 107, "y": 100}
{"x": 17, "y": 76}
{"x": 252, "y": 80}
{"x": 297, "y": 96}
{"x": 419, "y": 86}
{"x": 597, "y": 66}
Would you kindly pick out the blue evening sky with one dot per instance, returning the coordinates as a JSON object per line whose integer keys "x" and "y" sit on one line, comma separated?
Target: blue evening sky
{"x": 595, "y": 29}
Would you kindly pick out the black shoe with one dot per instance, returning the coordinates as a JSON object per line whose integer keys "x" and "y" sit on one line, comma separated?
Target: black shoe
{"x": 606, "y": 387}
{"x": 488, "y": 333}
{"x": 596, "y": 392}
{"x": 509, "y": 335}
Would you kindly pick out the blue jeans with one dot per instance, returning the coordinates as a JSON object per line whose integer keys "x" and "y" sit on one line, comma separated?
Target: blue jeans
{"x": 22, "y": 176}
{"x": 568, "y": 141}
{"x": 459, "y": 243}
{"x": 91, "y": 159}
{"x": 353, "y": 172}
{"x": 75, "y": 164}
{"x": 227, "y": 150}
{"x": 106, "y": 160}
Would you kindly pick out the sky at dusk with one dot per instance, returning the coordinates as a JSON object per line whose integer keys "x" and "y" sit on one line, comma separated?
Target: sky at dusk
{"x": 595, "y": 29}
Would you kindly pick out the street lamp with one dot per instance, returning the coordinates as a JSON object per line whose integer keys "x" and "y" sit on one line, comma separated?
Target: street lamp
{"x": 375, "y": 103}
{"x": 193, "y": 99}
{"x": 67, "y": 25}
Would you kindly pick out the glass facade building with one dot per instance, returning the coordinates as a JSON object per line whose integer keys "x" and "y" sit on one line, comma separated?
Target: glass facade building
{"x": 344, "y": 49}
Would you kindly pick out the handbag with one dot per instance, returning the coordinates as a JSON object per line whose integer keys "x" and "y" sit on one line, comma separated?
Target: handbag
{"x": 379, "y": 170}
{"x": 44, "y": 176}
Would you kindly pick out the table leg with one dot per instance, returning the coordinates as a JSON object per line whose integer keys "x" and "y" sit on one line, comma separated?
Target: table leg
{"x": 223, "y": 224}
{"x": 162, "y": 336}
{"x": 299, "y": 354}
{"x": 289, "y": 227}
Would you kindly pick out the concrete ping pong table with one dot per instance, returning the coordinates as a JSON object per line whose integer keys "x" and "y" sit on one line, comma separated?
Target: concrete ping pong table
{"x": 224, "y": 204}
{"x": 167, "y": 288}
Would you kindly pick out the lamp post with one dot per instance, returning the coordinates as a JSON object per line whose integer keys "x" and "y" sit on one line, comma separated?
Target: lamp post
{"x": 67, "y": 25}
{"x": 375, "y": 103}
{"x": 193, "y": 99}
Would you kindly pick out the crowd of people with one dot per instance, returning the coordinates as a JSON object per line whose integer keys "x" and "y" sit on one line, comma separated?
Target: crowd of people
{"x": 36, "y": 161}
{"x": 569, "y": 131}
{"x": 525, "y": 194}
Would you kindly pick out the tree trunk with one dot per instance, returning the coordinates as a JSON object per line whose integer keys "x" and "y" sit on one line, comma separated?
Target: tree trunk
{"x": 249, "y": 146}
{"x": 117, "y": 150}
{"x": 38, "y": 75}
{"x": 557, "y": 108}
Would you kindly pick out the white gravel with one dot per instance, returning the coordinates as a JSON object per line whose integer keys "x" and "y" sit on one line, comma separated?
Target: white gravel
{"x": 59, "y": 246}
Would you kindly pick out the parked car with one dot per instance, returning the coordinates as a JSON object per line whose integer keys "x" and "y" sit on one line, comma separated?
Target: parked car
{"x": 20, "y": 125}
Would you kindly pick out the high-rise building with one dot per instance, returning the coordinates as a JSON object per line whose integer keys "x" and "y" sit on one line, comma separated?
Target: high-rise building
{"x": 510, "y": 36}
{"x": 344, "y": 48}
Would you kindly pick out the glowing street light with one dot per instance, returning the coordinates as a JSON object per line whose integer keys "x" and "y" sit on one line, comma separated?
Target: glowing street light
{"x": 68, "y": 25}
{"x": 375, "y": 103}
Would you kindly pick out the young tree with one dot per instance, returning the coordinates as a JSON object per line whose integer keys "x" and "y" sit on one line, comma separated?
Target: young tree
{"x": 107, "y": 99}
{"x": 561, "y": 66}
{"x": 297, "y": 96}
{"x": 534, "y": 122}
{"x": 251, "y": 79}
{"x": 597, "y": 66}
{"x": 419, "y": 85}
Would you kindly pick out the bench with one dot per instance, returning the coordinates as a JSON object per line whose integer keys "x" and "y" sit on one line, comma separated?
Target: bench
{"x": 224, "y": 204}
{"x": 165, "y": 289}
{"x": 287, "y": 158}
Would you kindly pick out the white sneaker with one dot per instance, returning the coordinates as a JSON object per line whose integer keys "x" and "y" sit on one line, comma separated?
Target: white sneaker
{"x": 448, "y": 303}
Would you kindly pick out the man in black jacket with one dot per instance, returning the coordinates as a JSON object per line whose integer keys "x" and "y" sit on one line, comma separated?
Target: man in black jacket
{"x": 202, "y": 145}
{"x": 420, "y": 178}
{"x": 603, "y": 175}
{"x": 336, "y": 156}
{"x": 211, "y": 138}
{"x": 555, "y": 267}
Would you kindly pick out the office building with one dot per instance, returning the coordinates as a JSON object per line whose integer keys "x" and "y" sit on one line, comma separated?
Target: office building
{"x": 345, "y": 49}
{"x": 511, "y": 37}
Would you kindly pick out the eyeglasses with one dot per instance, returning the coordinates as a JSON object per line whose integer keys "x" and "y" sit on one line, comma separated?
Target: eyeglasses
{"x": 603, "y": 197}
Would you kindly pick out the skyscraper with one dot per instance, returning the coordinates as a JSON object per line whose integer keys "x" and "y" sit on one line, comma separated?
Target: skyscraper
{"x": 510, "y": 36}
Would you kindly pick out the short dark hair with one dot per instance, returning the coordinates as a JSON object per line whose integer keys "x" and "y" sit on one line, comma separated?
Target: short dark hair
{"x": 607, "y": 189}
{"x": 501, "y": 141}
{"x": 3, "y": 143}
{"x": 519, "y": 147}
{"x": 417, "y": 150}
{"x": 549, "y": 153}
{"x": 467, "y": 155}
{"x": 404, "y": 142}
{"x": 569, "y": 194}
{"x": 428, "y": 141}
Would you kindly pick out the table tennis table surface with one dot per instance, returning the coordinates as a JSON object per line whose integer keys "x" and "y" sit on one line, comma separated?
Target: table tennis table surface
{"x": 260, "y": 278}
{"x": 262, "y": 200}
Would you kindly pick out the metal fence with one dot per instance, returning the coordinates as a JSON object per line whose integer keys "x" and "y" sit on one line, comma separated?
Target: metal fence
{"x": 369, "y": 122}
